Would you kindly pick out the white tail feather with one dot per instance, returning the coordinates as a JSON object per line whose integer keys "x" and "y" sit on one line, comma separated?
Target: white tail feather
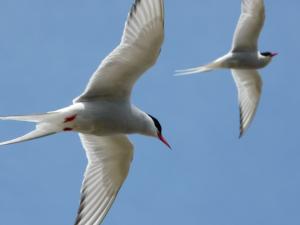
{"x": 36, "y": 118}
{"x": 43, "y": 128}
{"x": 200, "y": 69}
{"x": 217, "y": 64}
{"x": 29, "y": 136}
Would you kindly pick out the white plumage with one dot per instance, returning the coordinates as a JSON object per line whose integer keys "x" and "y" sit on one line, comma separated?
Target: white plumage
{"x": 103, "y": 114}
{"x": 243, "y": 60}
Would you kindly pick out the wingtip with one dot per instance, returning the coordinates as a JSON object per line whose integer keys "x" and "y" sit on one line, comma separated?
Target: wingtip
{"x": 241, "y": 135}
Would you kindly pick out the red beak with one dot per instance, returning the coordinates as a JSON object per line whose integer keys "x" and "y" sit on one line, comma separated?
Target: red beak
{"x": 163, "y": 140}
{"x": 274, "y": 54}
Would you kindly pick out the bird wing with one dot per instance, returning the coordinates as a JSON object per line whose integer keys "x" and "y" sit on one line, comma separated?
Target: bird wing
{"x": 139, "y": 48}
{"x": 109, "y": 160}
{"x": 249, "y": 26}
{"x": 249, "y": 85}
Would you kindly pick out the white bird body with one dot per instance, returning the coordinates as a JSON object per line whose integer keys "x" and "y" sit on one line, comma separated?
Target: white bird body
{"x": 232, "y": 60}
{"x": 244, "y": 59}
{"x": 103, "y": 114}
{"x": 103, "y": 118}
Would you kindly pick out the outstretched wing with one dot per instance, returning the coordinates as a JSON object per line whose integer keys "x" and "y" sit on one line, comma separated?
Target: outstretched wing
{"x": 109, "y": 160}
{"x": 249, "y": 85}
{"x": 139, "y": 48}
{"x": 249, "y": 26}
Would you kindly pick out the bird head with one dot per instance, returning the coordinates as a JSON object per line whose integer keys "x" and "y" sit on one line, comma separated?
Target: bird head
{"x": 158, "y": 131}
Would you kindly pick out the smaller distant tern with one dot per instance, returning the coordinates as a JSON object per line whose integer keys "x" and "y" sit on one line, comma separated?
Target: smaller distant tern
{"x": 243, "y": 60}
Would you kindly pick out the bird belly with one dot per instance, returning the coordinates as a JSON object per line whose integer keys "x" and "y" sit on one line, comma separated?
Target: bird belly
{"x": 242, "y": 64}
{"x": 104, "y": 119}
{"x": 244, "y": 61}
{"x": 101, "y": 126}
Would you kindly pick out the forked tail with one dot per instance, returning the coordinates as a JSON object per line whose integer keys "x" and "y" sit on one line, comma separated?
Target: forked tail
{"x": 44, "y": 126}
{"x": 212, "y": 66}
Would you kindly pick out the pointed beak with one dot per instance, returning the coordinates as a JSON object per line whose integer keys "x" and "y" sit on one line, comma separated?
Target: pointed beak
{"x": 274, "y": 54}
{"x": 163, "y": 140}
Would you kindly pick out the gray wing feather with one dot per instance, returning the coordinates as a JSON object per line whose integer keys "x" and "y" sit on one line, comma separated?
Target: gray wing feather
{"x": 109, "y": 160}
{"x": 138, "y": 51}
{"x": 249, "y": 85}
{"x": 249, "y": 26}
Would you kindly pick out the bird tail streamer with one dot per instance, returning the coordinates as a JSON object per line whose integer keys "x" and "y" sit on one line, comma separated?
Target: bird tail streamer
{"x": 44, "y": 126}
{"x": 200, "y": 69}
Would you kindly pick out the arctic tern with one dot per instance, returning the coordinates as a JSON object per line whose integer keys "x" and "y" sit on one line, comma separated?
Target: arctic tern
{"x": 103, "y": 114}
{"x": 244, "y": 59}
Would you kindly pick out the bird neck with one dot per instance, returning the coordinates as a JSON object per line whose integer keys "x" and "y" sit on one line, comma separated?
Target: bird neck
{"x": 264, "y": 60}
{"x": 144, "y": 124}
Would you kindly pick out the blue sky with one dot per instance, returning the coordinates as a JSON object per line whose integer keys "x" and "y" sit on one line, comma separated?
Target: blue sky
{"x": 49, "y": 49}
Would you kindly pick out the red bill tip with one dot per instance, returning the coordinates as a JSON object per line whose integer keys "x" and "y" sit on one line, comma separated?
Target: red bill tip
{"x": 163, "y": 140}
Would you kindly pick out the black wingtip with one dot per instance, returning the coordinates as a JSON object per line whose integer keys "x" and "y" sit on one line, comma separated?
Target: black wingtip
{"x": 241, "y": 122}
{"x": 133, "y": 7}
{"x": 241, "y": 135}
